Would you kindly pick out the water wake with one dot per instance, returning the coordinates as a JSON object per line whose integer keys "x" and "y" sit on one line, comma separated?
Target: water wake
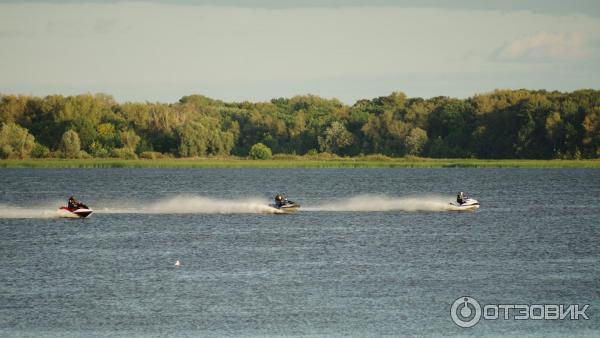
{"x": 372, "y": 203}
{"x": 199, "y": 205}
{"x": 9, "y": 211}
{"x": 207, "y": 205}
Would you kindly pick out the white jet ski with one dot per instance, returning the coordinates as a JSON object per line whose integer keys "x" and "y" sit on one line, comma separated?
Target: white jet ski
{"x": 468, "y": 204}
{"x": 284, "y": 206}
{"x": 82, "y": 211}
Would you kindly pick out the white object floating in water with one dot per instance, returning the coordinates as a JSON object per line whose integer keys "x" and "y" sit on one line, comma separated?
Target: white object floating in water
{"x": 177, "y": 263}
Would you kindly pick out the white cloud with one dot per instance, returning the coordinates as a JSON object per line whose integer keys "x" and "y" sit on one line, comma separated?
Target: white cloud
{"x": 546, "y": 47}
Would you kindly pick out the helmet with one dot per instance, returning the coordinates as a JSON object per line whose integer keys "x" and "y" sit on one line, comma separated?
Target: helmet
{"x": 279, "y": 198}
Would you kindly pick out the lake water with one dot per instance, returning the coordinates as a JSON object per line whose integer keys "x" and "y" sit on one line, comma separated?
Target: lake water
{"x": 372, "y": 251}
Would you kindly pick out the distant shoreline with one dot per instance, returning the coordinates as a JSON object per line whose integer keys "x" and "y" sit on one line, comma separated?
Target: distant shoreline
{"x": 297, "y": 163}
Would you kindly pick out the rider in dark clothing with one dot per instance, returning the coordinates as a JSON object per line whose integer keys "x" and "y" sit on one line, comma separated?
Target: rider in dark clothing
{"x": 72, "y": 204}
{"x": 280, "y": 201}
{"x": 460, "y": 198}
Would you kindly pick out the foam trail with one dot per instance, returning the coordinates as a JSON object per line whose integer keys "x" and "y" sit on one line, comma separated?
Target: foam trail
{"x": 199, "y": 205}
{"x": 9, "y": 211}
{"x": 371, "y": 203}
{"x": 207, "y": 205}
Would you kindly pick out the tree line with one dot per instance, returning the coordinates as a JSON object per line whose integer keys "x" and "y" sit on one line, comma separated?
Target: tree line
{"x": 532, "y": 124}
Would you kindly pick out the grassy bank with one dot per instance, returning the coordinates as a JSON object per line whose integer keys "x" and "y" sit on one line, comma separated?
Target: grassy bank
{"x": 298, "y": 163}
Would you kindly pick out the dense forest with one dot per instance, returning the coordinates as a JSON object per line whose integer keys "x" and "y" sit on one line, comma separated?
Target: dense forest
{"x": 501, "y": 124}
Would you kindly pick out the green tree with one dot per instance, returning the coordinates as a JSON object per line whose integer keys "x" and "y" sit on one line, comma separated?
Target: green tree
{"x": 385, "y": 134}
{"x": 336, "y": 138}
{"x": 193, "y": 140}
{"x": 260, "y": 151}
{"x": 40, "y": 151}
{"x": 106, "y": 135}
{"x": 70, "y": 144}
{"x": 591, "y": 136}
{"x": 415, "y": 141}
{"x": 124, "y": 153}
{"x": 12, "y": 108}
{"x": 555, "y": 131}
{"x": 452, "y": 121}
{"x": 129, "y": 139}
{"x": 15, "y": 141}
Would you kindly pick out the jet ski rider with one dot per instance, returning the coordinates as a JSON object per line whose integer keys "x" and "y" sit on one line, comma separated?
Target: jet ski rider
{"x": 280, "y": 201}
{"x": 460, "y": 198}
{"x": 73, "y": 203}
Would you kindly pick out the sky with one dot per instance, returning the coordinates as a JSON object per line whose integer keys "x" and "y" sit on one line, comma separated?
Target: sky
{"x": 238, "y": 50}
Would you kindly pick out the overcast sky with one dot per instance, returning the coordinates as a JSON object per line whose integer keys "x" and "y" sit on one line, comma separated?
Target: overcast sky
{"x": 257, "y": 50}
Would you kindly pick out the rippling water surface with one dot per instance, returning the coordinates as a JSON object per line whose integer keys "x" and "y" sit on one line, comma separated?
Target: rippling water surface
{"x": 371, "y": 252}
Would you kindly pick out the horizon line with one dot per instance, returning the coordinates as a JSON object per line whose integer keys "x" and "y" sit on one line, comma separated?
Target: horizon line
{"x": 112, "y": 96}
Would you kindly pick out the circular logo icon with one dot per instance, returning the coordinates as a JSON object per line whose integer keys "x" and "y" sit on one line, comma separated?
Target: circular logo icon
{"x": 465, "y": 311}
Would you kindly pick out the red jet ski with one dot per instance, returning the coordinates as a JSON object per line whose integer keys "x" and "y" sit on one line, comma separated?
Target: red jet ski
{"x": 79, "y": 211}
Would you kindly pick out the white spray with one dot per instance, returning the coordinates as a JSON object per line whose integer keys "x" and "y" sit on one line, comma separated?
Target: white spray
{"x": 9, "y": 211}
{"x": 207, "y": 205}
{"x": 372, "y": 203}
{"x": 192, "y": 204}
